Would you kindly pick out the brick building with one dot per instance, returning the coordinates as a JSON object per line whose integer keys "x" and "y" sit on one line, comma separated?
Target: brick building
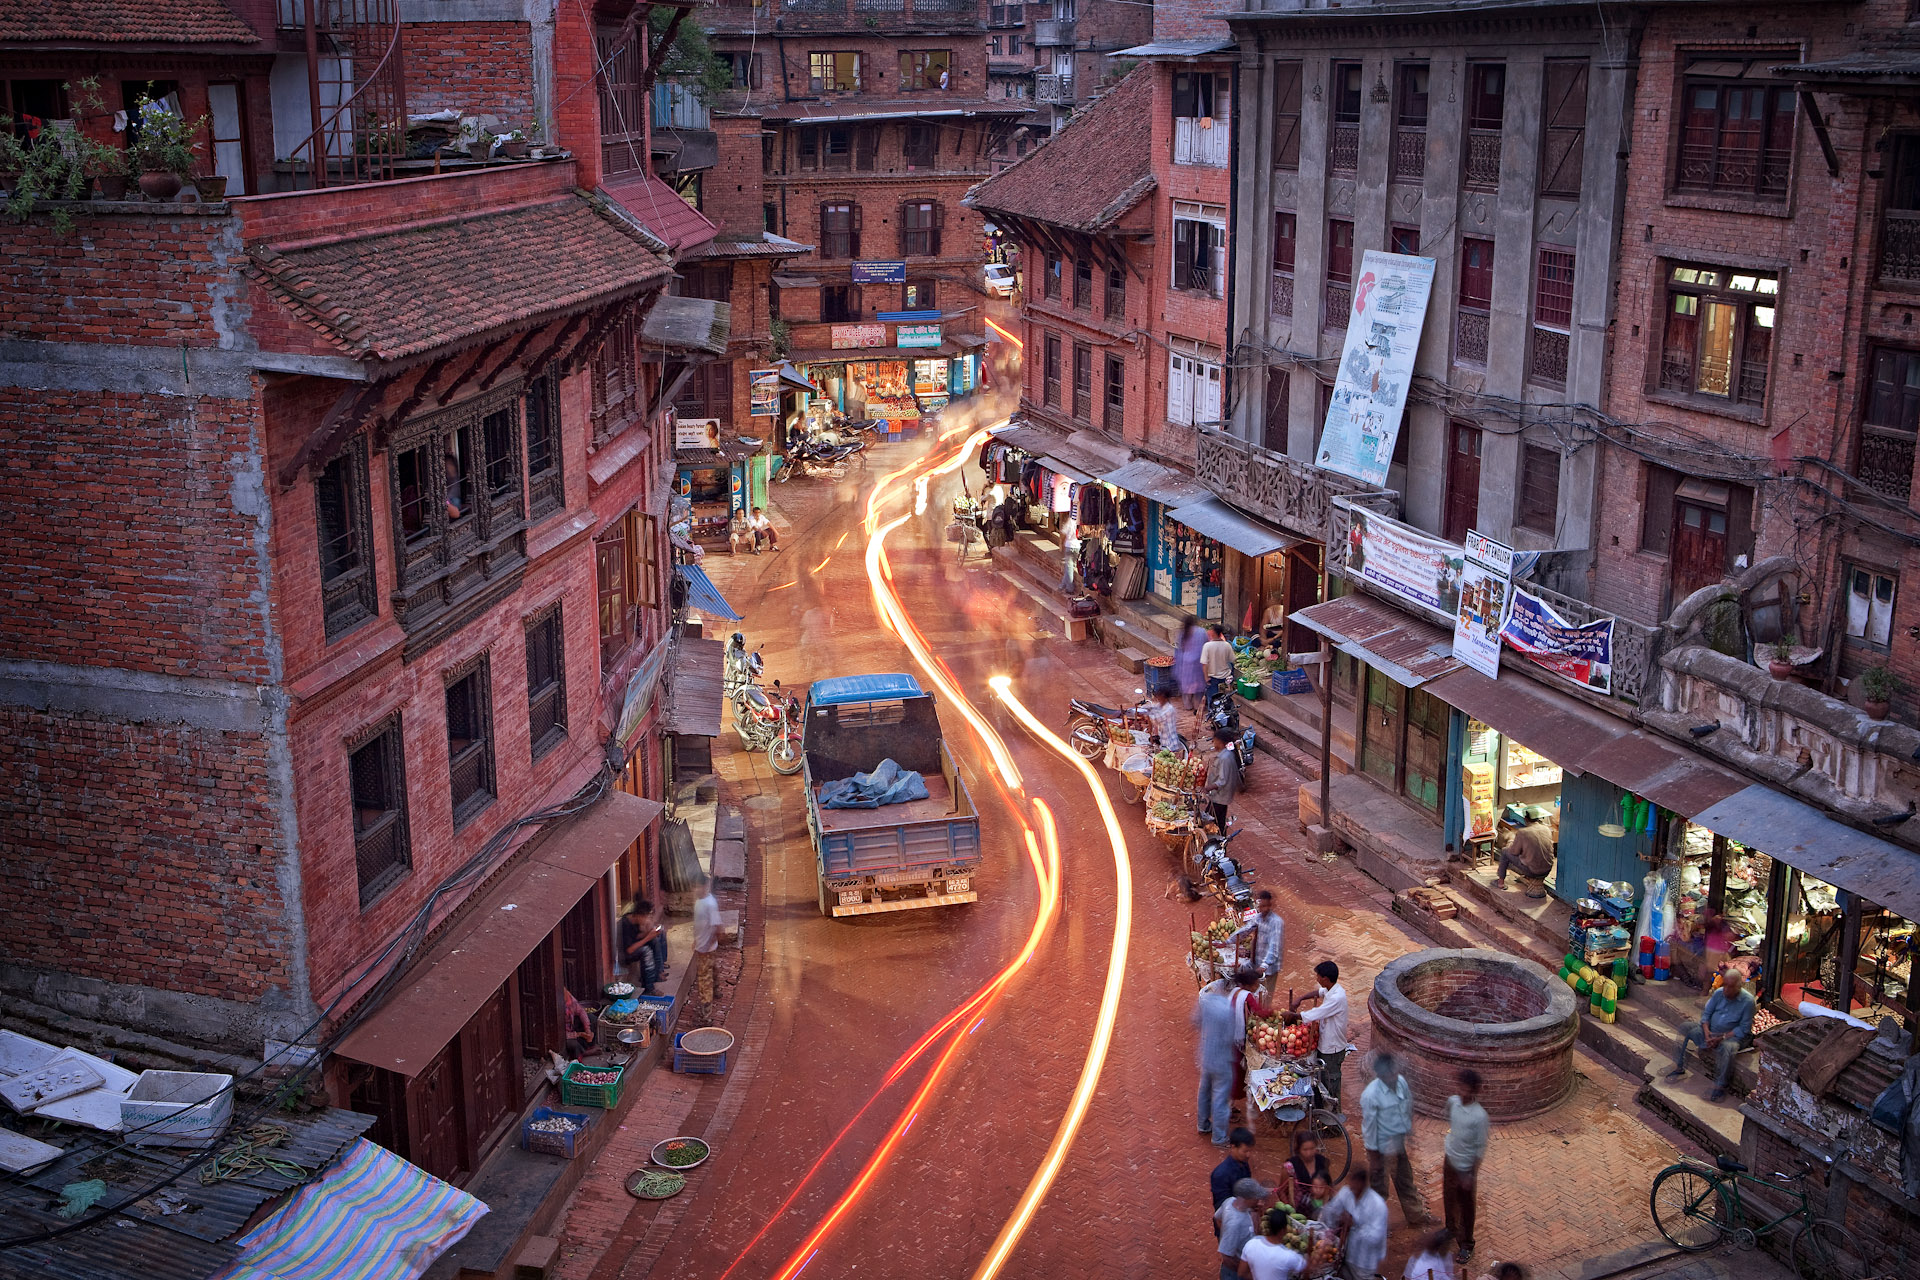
{"x": 368, "y": 631}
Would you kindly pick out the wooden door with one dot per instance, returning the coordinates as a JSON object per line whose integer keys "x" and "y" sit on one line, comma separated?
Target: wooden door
{"x": 1381, "y": 729}
{"x": 1463, "y": 481}
{"x": 541, "y": 1011}
{"x": 1699, "y": 546}
{"x": 491, "y": 1063}
{"x": 1428, "y": 720}
{"x": 582, "y": 966}
{"x": 1303, "y": 589}
{"x": 435, "y": 1107}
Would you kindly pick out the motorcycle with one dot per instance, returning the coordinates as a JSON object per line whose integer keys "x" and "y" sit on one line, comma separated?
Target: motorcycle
{"x": 1219, "y": 872}
{"x": 816, "y": 454}
{"x": 769, "y": 720}
{"x": 1088, "y": 722}
{"x": 741, "y": 667}
{"x": 1223, "y": 712}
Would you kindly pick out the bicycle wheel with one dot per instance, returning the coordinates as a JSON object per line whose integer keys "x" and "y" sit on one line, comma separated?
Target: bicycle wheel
{"x": 1822, "y": 1250}
{"x": 1335, "y": 1145}
{"x": 1690, "y": 1207}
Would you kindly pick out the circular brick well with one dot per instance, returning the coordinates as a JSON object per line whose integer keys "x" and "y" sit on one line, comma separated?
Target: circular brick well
{"x": 1509, "y": 1019}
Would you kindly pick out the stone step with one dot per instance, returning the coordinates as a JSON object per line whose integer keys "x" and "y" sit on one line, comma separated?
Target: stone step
{"x": 1133, "y": 660}
{"x": 1075, "y": 629}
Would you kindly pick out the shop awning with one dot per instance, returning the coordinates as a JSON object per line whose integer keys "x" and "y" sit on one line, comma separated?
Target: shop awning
{"x": 1162, "y": 484}
{"x": 1409, "y": 651}
{"x": 1798, "y": 834}
{"x": 1026, "y": 437}
{"x": 457, "y": 975}
{"x": 1092, "y": 452}
{"x": 792, "y": 377}
{"x": 1067, "y": 469}
{"x": 1563, "y": 729}
{"x": 703, "y": 597}
{"x": 1230, "y": 528}
{"x": 694, "y": 688}
{"x": 1664, "y": 772}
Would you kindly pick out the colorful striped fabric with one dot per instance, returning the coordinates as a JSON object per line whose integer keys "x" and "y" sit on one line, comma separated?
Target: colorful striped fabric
{"x": 372, "y": 1216}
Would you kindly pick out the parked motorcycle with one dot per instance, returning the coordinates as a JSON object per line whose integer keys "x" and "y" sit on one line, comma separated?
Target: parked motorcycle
{"x": 1223, "y": 712}
{"x": 1218, "y": 872}
{"x": 741, "y": 667}
{"x": 769, "y": 720}
{"x": 1088, "y": 722}
{"x": 813, "y": 453}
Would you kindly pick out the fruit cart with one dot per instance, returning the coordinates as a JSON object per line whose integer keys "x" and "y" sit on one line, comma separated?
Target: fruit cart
{"x": 1283, "y": 1080}
{"x": 1173, "y": 796}
{"x": 1212, "y": 953}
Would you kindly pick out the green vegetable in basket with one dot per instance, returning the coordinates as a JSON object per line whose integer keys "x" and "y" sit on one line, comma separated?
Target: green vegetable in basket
{"x": 683, "y": 1153}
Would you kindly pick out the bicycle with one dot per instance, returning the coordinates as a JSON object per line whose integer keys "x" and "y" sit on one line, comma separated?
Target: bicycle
{"x": 1696, "y": 1208}
{"x": 1322, "y": 1120}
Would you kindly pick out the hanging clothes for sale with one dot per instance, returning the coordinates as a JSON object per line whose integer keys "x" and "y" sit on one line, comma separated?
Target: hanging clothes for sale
{"x": 1129, "y": 535}
{"x": 1096, "y": 566}
{"x": 1095, "y": 505}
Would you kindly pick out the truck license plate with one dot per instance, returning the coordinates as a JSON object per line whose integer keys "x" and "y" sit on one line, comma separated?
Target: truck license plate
{"x": 958, "y": 886}
{"x": 851, "y": 897}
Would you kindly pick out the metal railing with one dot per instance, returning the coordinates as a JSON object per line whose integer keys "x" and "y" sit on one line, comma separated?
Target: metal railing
{"x": 1900, "y": 245}
{"x": 365, "y": 132}
{"x": 1886, "y": 460}
{"x": 1339, "y": 306}
{"x": 1548, "y": 364}
{"x": 1409, "y": 154}
{"x": 1051, "y": 87}
{"x": 1483, "y": 159}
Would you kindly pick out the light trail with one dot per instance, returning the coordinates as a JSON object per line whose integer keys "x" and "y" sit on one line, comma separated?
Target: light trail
{"x": 1007, "y": 334}
{"x": 823, "y": 564}
{"x": 1049, "y": 1169}
{"x": 783, "y": 586}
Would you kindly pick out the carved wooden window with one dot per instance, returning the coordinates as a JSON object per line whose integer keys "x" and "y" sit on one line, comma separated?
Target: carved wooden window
{"x": 470, "y": 739}
{"x": 377, "y": 786}
{"x": 546, "y": 683}
{"x": 1286, "y": 115}
{"x": 623, "y": 104}
{"x": 342, "y": 527}
{"x": 545, "y": 490}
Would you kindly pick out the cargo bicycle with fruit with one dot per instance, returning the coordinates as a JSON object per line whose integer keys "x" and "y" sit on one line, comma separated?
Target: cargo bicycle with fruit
{"x": 1285, "y": 1080}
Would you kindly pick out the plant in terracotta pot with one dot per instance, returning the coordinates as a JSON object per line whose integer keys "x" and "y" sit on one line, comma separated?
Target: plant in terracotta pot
{"x": 1780, "y": 665}
{"x": 515, "y": 146}
{"x": 108, "y": 167}
{"x": 1877, "y": 687}
{"x": 162, "y": 150}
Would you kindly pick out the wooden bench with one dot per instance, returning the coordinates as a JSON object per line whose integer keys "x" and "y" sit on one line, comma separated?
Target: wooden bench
{"x": 729, "y": 864}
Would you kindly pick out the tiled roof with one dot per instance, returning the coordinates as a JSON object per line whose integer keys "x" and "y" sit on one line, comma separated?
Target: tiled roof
{"x": 660, "y": 209}
{"x": 391, "y": 295}
{"x": 1089, "y": 174}
{"x": 759, "y": 245}
{"x": 122, "y": 22}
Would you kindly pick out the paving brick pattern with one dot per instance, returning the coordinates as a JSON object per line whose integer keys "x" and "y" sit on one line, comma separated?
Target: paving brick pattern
{"x": 827, "y": 1005}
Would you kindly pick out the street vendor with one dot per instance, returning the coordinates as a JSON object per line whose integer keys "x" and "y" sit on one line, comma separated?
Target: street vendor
{"x": 1273, "y": 622}
{"x": 1530, "y": 847}
{"x": 1307, "y": 1164}
{"x": 1361, "y": 1214}
{"x": 1166, "y": 720}
{"x": 1269, "y": 935}
{"x": 1330, "y": 1011}
{"x": 579, "y": 1026}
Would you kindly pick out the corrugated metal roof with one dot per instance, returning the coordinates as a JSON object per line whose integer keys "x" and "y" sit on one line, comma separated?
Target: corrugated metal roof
{"x": 838, "y": 691}
{"x": 1060, "y": 467}
{"x": 705, "y": 598}
{"x": 1667, "y": 774}
{"x": 1564, "y": 730}
{"x": 1893, "y": 63}
{"x": 694, "y": 682}
{"x": 688, "y": 324}
{"x": 143, "y": 1243}
{"x": 1196, "y": 48}
{"x": 1027, "y": 437}
{"x": 1801, "y": 836}
{"x": 1408, "y": 650}
{"x": 1162, "y": 484}
{"x": 1215, "y": 519}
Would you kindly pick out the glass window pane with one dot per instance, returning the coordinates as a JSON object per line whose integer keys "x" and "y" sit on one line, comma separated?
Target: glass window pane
{"x": 1716, "y": 349}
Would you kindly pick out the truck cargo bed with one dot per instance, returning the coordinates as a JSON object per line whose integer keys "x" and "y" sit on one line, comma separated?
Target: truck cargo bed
{"x": 938, "y": 805}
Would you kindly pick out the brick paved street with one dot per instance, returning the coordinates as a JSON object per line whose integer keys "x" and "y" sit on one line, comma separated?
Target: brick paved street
{"x": 825, "y": 1006}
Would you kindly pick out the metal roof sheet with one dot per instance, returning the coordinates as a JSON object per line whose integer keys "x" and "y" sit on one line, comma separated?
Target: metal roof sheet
{"x": 1667, "y": 774}
{"x": 839, "y": 691}
{"x": 688, "y": 324}
{"x": 1563, "y": 729}
{"x": 1245, "y": 534}
{"x": 705, "y": 598}
{"x": 1195, "y": 48}
{"x": 1408, "y": 650}
{"x": 1067, "y": 469}
{"x": 1027, "y": 438}
{"x": 1801, "y": 836}
{"x": 1162, "y": 484}
{"x": 694, "y": 684}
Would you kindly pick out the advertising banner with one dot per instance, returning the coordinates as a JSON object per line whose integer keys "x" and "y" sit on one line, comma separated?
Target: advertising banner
{"x": 1483, "y": 603}
{"x": 763, "y": 393}
{"x": 1403, "y": 561}
{"x": 916, "y": 335}
{"x": 879, "y": 273}
{"x": 1376, "y": 364}
{"x": 696, "y": 433}
{"x": 858, "y": 335}
{"x": 1582, "y": 654}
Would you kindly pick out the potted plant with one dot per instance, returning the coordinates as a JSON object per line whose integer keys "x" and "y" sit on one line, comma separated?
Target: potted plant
{"x": 211, "y": 186}
{"x": 108, "y": 167}
{"x": 1877, "y": 686}
{"x": 515, "y": 146}
{"x": 1780, "y": 666}
{"x": 47, "y": 164}
{"x": 162, "y": 151}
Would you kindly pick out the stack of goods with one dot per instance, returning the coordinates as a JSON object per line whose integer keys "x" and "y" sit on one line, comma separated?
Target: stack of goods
{"x": 1656, "y": 960}
{"x": 1175, "y": 774}
{"x": 1165, "y": 818}
{"x": 1274, "y": 1039}
{"x": 1314, "y": 1241}
{"x": 1597, "y": 933}
{"x": 1212, "y": 953}
{"x": 1602, "y": 993}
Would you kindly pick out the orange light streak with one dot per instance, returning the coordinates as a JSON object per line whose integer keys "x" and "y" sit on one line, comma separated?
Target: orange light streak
{"x": 1002, "y": 331}
{"x": 823, "y": 564}
{"x": 783, "y": 586}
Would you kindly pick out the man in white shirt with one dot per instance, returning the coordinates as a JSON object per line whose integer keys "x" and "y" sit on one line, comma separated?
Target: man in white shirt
{"x": 1330, "y": 1011}
{"x": 706, "y": 938}
{"x": 762, "y": 528}
{"x": 1386, "y": 1123}
{"x": 1466, "y": 1148}
{"x": 1266, "y": 1256}
{"x": 1361, "y": 1213}
{"x": 1216, "y": 659}
{"x": 1269, "y": 936}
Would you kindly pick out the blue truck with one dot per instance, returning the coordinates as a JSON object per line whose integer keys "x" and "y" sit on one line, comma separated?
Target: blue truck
{"x": 922, "y": 853}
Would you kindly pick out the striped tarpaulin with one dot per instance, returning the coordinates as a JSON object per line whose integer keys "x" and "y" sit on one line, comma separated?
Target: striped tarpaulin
{"x": 372, "y": 1216}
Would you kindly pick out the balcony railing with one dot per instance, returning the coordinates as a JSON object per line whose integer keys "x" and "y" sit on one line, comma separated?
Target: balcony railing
{"x": 1343, "y": 152}
{"x": 1339, "y": 306}
{"x": 1409, "y": 154}
{"x": 1200, "y": 140}
{"x": 1053, "y": 31}
{"x": 1900, "y": 246}
{"x": 1548, "y": 365}
{"x": 1470, "y": 336}
{"x": 1052, "y": 87}
{"x": 1199, "y": 277}
{"x": 1280, "y": 297}
{"x": 1483, "y": 159}
{"x": 1292, "y": 493}
{"x": 1886, "y": 460}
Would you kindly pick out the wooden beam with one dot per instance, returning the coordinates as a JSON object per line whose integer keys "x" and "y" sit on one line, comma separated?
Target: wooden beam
{"x": 348, "y": 411}
{"x": 519, "y": 349}
{"x": 657, "y": 53}
{"x": 466, "y": 375}
{"x": 418, "y": 391}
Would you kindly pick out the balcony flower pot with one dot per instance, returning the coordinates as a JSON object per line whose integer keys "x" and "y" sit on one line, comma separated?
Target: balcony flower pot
{"x": 211, "y": 187}
{"x": 1779, "y": 669}
{"x": 515, "y": 148}
{"x": 158, "y": 184}
{"x": 1876, "y": 710}
{"x": 480, "y": 150}
{"x": 113, "y": 186}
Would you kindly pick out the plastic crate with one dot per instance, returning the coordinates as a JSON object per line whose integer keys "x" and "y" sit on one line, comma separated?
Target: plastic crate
{"x": 564, "y": 1145}
{"x": 663, "y": 1008}
{"x": 697, "y": 1064}
{"x": 1292, "y": 680}
{"x": 590, "y": 1095}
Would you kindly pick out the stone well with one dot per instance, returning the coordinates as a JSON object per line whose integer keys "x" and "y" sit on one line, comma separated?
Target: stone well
{"x": 1509, "y": 1019}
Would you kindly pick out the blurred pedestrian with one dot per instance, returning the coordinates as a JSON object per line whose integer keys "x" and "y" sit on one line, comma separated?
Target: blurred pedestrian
{"x": 1186, "y": 665}
{"x": 1505, "y": 1271}
{"x": 1237, "y": 1165}
{"x": 1266, "y": 1256}
{"x": 1234, "y": 1221}
{"x": 1223, "y": 776}
{"x": 1435, "y": 1259}
{"x": 1330, "y": 1012}
{"x": 1213, "y": 1017}
{"x": 1359, "y": 1213}
{"x": 1386, "y": 1123}
{"x": 1269, "y": 936}
{"x": 706, "y": 939}
{"x": 1460, "y": 1172}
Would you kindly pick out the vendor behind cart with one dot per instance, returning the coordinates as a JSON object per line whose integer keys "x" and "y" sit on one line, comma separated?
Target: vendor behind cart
{"x": 1166, "y": 721}
{"x": 1330, "y": 1012}
{"x": 1269, "y": 934}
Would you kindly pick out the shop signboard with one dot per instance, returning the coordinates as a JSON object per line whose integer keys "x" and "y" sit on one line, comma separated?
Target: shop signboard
{"x": 879, "y": 273}
{"x": 850, "y": 336}
{"x": 1403, "y": 561}
{"x": 1376, "y": 364}
{"x": 639, "y": 697}
{"x": 763, "y": 393}
{"x": 916, "y": 335}
{"x": 1582, "y": 654}
{"x": 1484, "y": 575}
{"x": 696, "y": 433}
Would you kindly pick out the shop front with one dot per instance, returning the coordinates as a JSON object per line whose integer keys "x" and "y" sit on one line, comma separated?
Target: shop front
{"x": 717, "y": 477}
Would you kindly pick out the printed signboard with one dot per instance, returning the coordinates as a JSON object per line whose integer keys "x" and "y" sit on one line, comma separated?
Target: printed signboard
{"x": 846, "y": 336}
{"x": 763, "y": 393}
{"x": 879, "y": 273}
{"x": 696, "y": 433}
{"x": 1376, "y": 364}
{"x": 1484, "y": 574}
{"x": 916, "y": 335}
{"x": 1582, "y": 654}
{"x": 1402, "y": 561}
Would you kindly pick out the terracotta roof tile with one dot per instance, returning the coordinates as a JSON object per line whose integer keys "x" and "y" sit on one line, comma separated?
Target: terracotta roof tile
{"x": 1090, "y": 173}
{"x": 391, "y": 295}
{"x": 122, "y": 22}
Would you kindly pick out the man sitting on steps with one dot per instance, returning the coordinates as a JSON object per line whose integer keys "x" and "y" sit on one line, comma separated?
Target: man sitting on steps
{"x": 1725, "y": 1027}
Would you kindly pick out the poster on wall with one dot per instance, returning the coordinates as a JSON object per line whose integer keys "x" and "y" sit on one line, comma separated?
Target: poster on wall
{"x": 916, "y": 335}
{"x": 763, "y": 393}
{"x": 1403, "y": 561}
{"x": 696, "y": 433}
{"x": 1376, "y": 364}
{"x": 1582, "y": 654}
{"x": 876, "y": 272}
{"x": 1484, "y": 573}
{"x": 850, "y": 336}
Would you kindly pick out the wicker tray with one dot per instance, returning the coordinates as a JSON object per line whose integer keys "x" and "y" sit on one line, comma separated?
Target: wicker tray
{"x": 705, "y": 1041}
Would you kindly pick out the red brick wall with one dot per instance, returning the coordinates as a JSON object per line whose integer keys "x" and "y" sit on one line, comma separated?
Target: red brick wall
{"x": 734, "y": 191}
{"x": 1186, "y": 19}
{"x": 136, "y": 279}
{"x": 148, "y": 853}
{"x": 476, "y": 68}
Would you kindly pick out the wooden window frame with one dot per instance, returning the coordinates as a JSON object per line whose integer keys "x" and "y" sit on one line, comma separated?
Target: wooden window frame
{"x": 473, "y": 681}
{"x": 917, "y": 66}
{"x": 1286, "y": 114}
{"x": 921, "y": 222}
{"x": 1113, "y": 302}
{"x": 546, "y": 689}
{"x": 544, "y": 446}
{"x": 1538, "y": 508}
{"x": 349, "y": 591}
{"x": 385, "y": 736}
{"x": 613, "y": 589}
{"x": 1755, "y": 309}
{"x": 1050, "y": 370}
{"x": 1083, "y": 382}
{"x": 1082, "y": 284}
{"x": 840, "y": 243}
{"x": 818, "y": 71}
{"x": 624, "y": 145}
{"x": 920, "y": 145}
{"x": 1707, "y": 157}
{"x": 846, "y": 298}
{"x": 1563, "y": 131}
{"x": 1114, "y": 395}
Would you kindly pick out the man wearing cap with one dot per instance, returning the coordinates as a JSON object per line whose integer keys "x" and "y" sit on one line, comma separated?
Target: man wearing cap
{"x": 1530, "y": 848}
{"x": 1235, "y": 1218}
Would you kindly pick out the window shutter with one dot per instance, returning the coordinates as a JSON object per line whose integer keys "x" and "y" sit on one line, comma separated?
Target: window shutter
{"x": 905, "y": 231}
{"x": 939, "y": 223}
{"x": 1209, "y": 407}
{"x": 1182, "y": 250}
{"x": 1184, "y": 95}
{"x": 853, "y": 241}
